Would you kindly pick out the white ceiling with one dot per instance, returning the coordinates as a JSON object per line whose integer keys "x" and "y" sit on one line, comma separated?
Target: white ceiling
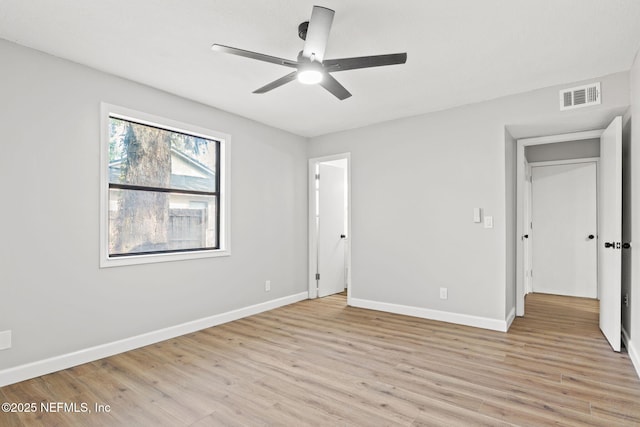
{"x": 459, "y": 51}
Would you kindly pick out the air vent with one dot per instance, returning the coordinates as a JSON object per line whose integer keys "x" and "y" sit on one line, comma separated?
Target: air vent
{"x": 581, "y": 96}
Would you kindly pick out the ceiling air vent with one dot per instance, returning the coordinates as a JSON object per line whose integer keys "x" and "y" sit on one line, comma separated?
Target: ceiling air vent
{"x": 580, "y": 96}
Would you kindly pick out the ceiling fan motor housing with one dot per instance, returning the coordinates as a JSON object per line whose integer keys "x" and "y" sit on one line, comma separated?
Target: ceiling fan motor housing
{"x": 302, "y": 30}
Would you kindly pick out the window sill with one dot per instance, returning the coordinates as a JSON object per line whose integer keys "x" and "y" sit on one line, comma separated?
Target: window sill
{"x": 106, "y": 262}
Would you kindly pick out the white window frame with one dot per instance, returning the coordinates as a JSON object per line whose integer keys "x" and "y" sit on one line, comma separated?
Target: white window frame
{"x": 106, "y": 110}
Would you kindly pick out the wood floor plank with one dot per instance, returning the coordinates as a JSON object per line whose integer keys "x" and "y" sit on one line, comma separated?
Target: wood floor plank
{"x": 9, "y": 419}
{"x": 319, "y": 362}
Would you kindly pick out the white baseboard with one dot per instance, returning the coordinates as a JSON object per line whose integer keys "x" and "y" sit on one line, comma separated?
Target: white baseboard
{"x": 634, "y": 354}
{"x": 57, "y": 363}
{"x": 625, "y": 336}
{"x": 425, "y": 313}
{"x": 510, "y": 318}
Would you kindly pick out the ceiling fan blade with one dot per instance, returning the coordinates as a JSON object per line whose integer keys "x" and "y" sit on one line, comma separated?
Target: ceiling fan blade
{"x": 333, "y": 86}
{"x": 333, "y": 65}
{"x": 254, "y": 55}
{"x": 277, "y": 83}
{"x": 318, "y": 33}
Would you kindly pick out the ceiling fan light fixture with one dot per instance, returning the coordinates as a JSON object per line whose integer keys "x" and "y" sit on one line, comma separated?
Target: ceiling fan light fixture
{"x": 310, "y": 77}
{"x": 310, "y": 74}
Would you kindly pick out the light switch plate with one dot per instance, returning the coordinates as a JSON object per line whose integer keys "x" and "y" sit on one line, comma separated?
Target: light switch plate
{"x": 488, "y": 222}
{"x": 476, "y": 214}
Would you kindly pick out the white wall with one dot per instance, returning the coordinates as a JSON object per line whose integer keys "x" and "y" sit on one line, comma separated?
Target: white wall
{"x": 53, "y": 295}
{"x": 633, "y": 328}
{"x": 415, "y": 182}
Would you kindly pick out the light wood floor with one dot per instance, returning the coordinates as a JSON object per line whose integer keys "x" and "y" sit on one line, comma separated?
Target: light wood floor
{"x": 322, "y": 363}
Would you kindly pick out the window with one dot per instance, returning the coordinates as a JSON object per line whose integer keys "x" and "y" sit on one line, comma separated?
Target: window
{"x": 164, "y": 192}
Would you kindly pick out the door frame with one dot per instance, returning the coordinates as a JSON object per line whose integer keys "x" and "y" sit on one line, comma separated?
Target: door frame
{"x": 523, "y": 206}
{"x": 313, "y": 243}
{"x": 528, "y": 252}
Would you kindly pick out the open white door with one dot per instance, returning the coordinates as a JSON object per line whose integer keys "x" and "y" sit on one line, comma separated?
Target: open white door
{"x": 331, "y": 230}
{"x": 610, "y": 232}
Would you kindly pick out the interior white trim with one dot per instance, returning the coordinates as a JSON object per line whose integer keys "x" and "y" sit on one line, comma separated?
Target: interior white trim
{"x": 57, "y": 363}
{"x": 565, "y": 137}
{"x": 634, "y": 354}
{"x": 313, "y": 262}
{"x": 595, "y": 160}
{"x": 426, "y": 313}
{"x": 625, "y": 336}
{"x": 511, "y": 317}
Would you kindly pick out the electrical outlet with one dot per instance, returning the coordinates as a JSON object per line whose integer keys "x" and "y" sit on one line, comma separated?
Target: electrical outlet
{"x": 443, "y": 293}
{"x": 267, "y": 286}
{"x": 5, "y": 340}
{"x": 488, "y": 222}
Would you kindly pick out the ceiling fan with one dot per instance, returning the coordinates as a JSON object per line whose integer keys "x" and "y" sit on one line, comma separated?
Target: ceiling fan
{"x": 311, "y": 67}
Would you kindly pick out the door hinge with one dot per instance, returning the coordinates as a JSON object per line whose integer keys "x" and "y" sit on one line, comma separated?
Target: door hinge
{"x": 317, "y": 276}
{"x": 317, "y": 177}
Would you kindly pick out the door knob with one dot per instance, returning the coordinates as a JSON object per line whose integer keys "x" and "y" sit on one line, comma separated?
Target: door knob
{"x": 608, "y": 244}
{"x": 526, "y": 236}
{"x": 342, "y": 236}
{"x": 591, "y": 236}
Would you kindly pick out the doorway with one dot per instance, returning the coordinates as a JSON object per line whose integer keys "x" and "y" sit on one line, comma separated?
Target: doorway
{"x": 609, "y": 219}
{"x": 329, "y": 226}
{"x": 563, "y": 236}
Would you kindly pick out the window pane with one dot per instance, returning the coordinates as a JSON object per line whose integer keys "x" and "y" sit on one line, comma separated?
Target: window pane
{"x": 147, "y": 221}
{"x": 153, "y": 157}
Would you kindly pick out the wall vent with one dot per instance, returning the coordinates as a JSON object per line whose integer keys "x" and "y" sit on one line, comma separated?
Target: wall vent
{"x": 580, "y": 96}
